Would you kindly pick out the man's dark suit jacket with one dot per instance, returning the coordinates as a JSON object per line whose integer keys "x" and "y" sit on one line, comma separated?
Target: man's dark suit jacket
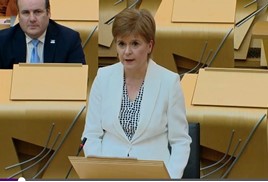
{"x": 62, "y": 45}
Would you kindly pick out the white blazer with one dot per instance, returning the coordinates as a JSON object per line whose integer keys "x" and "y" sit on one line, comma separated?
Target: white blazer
{"x": 162, "y": 119}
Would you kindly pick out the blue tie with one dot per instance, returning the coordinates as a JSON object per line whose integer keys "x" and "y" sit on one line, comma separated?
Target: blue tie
{"x": 34, "y": 57}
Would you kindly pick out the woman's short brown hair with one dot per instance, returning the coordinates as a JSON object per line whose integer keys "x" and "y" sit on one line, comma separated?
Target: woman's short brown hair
{"x": 134, "y": 21}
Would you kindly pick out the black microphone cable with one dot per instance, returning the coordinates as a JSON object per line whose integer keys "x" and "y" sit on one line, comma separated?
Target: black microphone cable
{"x": 78, "y": 152}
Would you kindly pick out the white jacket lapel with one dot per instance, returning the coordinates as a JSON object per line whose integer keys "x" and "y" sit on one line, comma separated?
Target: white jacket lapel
{"x": 114, "y": 97}
{"x": 150, "y": 94}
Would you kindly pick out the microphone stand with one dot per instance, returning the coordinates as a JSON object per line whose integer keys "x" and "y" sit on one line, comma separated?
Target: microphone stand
{"x": 78, "y": 152}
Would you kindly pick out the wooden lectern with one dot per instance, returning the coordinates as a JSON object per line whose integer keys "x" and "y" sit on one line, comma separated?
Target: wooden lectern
{"x": 118, "y": 168}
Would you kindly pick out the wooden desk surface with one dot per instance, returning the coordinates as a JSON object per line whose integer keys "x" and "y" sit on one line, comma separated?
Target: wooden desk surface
{"x": 25, "y": 127}
{"x": 216, "y": 126}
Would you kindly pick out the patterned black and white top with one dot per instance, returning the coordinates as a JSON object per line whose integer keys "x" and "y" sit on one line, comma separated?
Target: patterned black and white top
{"x": 129, "y": 115}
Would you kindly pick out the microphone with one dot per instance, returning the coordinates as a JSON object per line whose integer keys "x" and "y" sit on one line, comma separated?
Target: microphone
{"x": 81, "y": 145}
{"x": 78, "y": 152}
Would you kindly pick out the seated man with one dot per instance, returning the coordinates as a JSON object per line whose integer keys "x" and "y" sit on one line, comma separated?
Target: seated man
{"x": 38, "y": 39}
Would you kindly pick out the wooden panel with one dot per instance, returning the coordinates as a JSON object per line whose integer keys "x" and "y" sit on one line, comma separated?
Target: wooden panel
{"x": 260, "y": 30}
{"x": 213, "y": 11}
{"x": 217, "y": 124}
{"x": 223, "y": 87}
{"x": 49, "y": 82}
{"x": 75, "y": 10}
{"x": 30, "y": 122}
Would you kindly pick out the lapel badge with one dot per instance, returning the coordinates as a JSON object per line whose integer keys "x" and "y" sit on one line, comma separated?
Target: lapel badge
{"x": 52, "y": 41}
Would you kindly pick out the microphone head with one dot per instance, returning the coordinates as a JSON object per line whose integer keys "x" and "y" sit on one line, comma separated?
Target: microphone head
{"x": 82, "y": 144}
{"x": 84, "y": 140}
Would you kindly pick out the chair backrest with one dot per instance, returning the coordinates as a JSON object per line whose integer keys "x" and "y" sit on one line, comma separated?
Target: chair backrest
{"x": 192, "y": 169}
